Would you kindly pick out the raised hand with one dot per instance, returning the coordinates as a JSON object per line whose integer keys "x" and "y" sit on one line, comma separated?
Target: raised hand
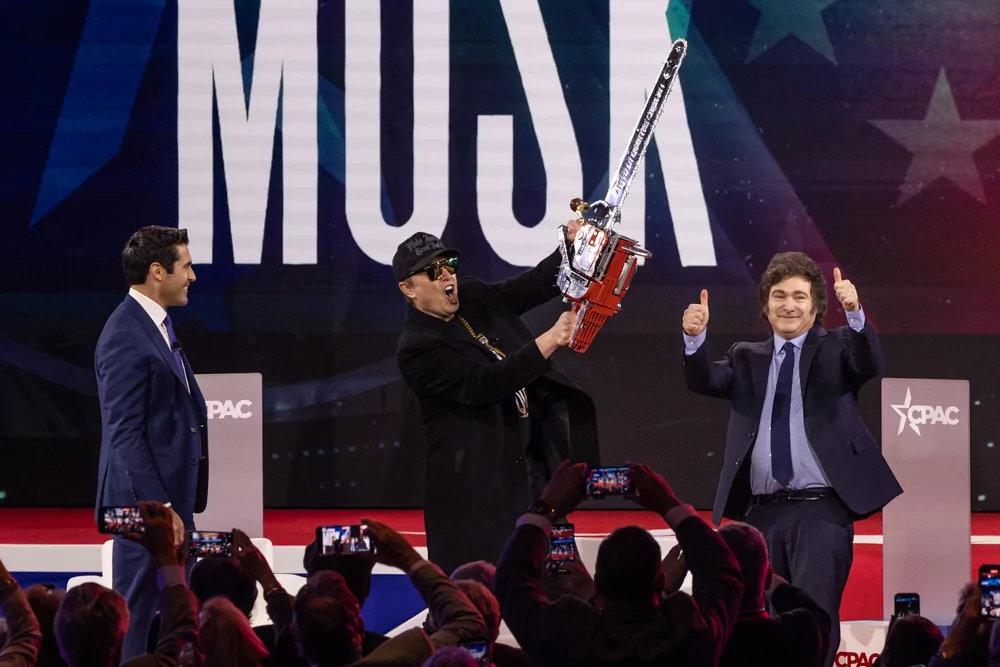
{"x": 846, "y": 293}
{"x": 562, "y": 331}
{"x": 251, "y": 559}
{"x": 560, "y": 334}
{"x": 158, "y": 533}
{"x": 573, "y": 579}
{"x": 674, "y": 570}
{"x": 391, "y": 548}
{"x": 650, "y": 490}
{"x": 696, "y": 316}
{"x": 565, "y": 490}
{"x": 572, "y": 227}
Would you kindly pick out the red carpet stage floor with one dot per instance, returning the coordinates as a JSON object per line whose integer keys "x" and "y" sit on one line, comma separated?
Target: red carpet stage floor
{"x": 862, "y": 599}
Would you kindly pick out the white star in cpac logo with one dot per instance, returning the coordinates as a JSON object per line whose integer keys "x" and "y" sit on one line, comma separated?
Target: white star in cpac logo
{"x": 918, "y": 415}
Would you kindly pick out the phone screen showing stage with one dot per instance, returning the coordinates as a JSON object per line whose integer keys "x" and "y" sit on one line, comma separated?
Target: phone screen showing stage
{"x": 120, "y": 520}
{"x": 608, "y": 482}
{"x": 562, "y": 545}
{"x": 480, "y": 652}
{"x": 989, "y": 585}
{"x": 204, "y": 543}
{"x": 344, "y": 540}
{"x": 906, "y": 604}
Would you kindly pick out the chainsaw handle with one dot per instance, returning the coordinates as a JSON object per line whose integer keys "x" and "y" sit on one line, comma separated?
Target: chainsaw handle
{"x": 637, "y": 251}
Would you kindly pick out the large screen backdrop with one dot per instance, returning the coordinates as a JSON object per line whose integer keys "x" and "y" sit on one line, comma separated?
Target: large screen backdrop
{"x": 300, "y": 142}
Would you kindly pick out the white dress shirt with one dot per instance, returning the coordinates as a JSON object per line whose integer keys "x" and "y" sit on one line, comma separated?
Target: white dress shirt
{"x": 154, "y": 310}
{"x": 158, "y": 315}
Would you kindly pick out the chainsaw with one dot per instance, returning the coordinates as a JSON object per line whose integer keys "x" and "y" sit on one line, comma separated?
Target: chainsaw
{"x": 597, "y": 268}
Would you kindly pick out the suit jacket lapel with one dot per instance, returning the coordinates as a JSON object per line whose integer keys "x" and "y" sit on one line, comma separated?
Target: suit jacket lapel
{"x": 809, "y": 349}
{"x": 760, "y": 366}
{"x": 196, "y": 395}
{"x": 150, "y": 329}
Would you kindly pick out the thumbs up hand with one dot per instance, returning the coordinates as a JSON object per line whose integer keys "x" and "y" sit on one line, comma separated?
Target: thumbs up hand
{"x": 696, "y": 316}
{"x": 846, "y": 293}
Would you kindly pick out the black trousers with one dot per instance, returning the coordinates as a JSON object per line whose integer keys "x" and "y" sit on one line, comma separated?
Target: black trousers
{"x": 811, "y": 545}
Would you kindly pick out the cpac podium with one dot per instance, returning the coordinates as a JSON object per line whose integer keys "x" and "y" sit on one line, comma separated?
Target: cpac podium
{"x": 235, "y": 453}
{"x": 927, "y": 530}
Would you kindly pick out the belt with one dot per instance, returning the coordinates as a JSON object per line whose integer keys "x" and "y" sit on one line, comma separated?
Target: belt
{"x": 791, "y": 494}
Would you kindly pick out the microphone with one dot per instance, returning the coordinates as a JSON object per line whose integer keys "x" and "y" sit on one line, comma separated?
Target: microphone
{"x": 175, "y": 346}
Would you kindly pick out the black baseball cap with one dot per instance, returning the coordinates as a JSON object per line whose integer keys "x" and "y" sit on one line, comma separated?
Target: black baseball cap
{"x": 416, "y": 252}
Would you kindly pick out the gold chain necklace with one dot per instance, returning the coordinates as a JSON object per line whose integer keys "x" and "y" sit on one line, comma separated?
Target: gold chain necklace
{"x": 521, "y": 397}
{"x": 482, "y": 339}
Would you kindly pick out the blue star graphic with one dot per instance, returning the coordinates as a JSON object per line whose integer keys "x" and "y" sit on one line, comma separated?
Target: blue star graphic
{"x": 798, "y": 18}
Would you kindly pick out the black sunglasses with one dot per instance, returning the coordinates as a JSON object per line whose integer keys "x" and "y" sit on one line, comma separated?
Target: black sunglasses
{"x": 435, "y": 270}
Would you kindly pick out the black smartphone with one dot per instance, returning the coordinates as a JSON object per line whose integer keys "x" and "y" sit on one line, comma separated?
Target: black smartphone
{"x": 906, "y": 604}
{"x": 479, "y": 650}
{"x": 203, "y": 543}
{"x": 119, "y": 520}
{"x": 989, "y": 586}
{"x": 607, "y": 482}
{"x": 562, "y": 546}
{"x": 351, "y": 539}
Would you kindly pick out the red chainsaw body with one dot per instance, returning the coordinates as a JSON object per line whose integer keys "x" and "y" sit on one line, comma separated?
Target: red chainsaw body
{"x": 603, "y": 296}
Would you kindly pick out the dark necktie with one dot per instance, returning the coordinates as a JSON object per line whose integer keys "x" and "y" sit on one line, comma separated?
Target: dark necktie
{"x": 781, "y": 439}
{"x": 174, "y": 347}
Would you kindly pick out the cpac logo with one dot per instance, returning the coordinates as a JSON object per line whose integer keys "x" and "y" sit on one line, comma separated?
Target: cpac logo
{"x": 223, "y": 409}
{"x": 846, "y": 659}
{"x": 923, "y": 414}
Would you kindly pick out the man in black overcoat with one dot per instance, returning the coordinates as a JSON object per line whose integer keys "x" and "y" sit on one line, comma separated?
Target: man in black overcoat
{"x": 498, "y": 415}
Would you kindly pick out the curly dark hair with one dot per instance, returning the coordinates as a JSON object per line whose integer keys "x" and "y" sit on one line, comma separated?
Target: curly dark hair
{"x": 790, "y": 264}
{"x": 149, "y": 245}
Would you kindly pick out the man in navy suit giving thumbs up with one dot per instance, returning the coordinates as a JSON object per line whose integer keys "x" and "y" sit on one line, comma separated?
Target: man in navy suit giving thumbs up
{"x": 800, "y": 465}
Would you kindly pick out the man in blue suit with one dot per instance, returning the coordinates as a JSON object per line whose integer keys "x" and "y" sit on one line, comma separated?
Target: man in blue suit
{"x": 154, "y": 443}
{"x": 800, "y": 465}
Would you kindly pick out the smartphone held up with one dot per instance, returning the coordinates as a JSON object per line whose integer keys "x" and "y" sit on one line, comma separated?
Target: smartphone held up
{"x": 906, "y": 604}
{"x": 562, "y": 546}
{"x": 119, "y": 520}
{"x": 202, "y": 544}
{"x": 989, "y": 587}
{"x": 601, "y": 482}
{"x": 351, "y": 539}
